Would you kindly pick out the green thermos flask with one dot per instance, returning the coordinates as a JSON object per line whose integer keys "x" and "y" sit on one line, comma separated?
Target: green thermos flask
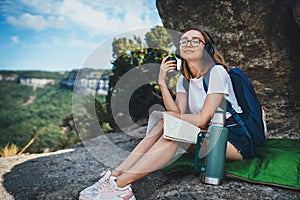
{"x": 216, "y": 144}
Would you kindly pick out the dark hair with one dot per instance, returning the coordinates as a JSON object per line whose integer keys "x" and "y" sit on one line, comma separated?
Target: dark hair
{"x": 207, "y": 60}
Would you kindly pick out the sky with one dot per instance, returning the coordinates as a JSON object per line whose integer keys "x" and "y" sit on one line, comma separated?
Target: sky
{"x": 61, "y": 35}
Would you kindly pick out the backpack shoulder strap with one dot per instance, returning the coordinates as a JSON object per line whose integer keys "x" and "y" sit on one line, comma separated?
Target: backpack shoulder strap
{"x": 206, "y": 79}
{"x": 186, "y": 84}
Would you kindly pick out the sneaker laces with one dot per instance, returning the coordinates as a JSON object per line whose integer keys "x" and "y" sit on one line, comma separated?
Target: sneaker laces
{"x": 108, "y": 183}
{"x": 104, "y": 187}
{"x": 105, "y": 183}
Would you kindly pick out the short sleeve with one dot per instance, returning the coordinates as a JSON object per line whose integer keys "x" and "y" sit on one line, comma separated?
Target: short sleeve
{"x": 179, "y": 85}
{"x": 219, "y": 81}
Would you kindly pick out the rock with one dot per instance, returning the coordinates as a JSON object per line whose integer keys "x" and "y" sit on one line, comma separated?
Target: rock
{"x": 63, "y": 174}
{"x": 260, "y": 37}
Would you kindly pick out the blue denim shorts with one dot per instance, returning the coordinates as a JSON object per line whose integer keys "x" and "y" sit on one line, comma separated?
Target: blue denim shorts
{"x": 238, "y": 138}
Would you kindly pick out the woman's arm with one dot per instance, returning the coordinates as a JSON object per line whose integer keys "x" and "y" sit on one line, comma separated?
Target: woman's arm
{"x": 212, "y": 102}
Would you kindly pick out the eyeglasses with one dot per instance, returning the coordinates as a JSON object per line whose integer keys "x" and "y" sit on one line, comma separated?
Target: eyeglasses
{"x": 194, "y": 42}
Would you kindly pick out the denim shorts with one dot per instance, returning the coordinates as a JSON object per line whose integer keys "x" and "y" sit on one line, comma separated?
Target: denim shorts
{"x": 238, "y": 138}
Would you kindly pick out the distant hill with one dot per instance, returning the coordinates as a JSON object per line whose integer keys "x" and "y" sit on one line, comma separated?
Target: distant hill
{"x": 36, "y": 102}
{"x": 4, "y": 75}
{"x": 25, "y": 111}
{"x": 94, "y": 80}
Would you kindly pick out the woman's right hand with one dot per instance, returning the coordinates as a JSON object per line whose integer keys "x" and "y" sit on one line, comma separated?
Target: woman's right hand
{"x": 165, "y": 67}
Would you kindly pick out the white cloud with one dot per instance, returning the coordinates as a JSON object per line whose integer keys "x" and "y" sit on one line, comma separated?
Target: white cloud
{"x": 15, "y": 39}
{"x": 95, "y": 17}
{"x": 81, "y": 43}
{"x": 37, "y": 22}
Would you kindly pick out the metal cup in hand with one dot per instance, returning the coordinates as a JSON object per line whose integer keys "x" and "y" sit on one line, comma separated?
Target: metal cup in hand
{"x": 171, "y": 58}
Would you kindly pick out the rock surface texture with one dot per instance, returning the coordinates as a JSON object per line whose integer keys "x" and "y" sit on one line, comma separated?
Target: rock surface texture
{"x": 260, "y": 37}
{"x": 63, "y": 174}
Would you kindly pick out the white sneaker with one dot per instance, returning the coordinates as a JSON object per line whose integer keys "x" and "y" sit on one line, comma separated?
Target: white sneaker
{"x": 115, "y": 192}
{"x": 91, "y": 191}
{"x": 107, "y": 188}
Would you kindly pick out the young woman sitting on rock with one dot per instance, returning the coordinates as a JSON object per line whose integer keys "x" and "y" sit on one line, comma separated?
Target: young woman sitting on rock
{"x": 154, "y": 151}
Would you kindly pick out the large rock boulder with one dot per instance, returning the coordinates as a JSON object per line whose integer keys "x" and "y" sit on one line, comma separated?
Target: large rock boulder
{"x": 261, "y": 37}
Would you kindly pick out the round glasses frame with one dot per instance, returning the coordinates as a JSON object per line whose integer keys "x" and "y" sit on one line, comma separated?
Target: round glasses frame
{"x": 193, "y": 42}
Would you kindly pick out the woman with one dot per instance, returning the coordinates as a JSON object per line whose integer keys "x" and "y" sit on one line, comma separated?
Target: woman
{"x": 154, "y": 151}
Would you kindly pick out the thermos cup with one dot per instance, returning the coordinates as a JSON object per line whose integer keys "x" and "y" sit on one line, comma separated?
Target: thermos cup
{"x": 172, "y": 58}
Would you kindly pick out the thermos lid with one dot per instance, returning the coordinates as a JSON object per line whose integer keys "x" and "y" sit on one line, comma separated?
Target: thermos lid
{"x": 218, "y": 119}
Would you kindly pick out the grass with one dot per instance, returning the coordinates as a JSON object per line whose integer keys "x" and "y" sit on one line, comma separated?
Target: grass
{"x": 9, "y": 150}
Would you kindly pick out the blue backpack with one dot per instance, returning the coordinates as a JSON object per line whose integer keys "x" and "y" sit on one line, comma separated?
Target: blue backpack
{"x": 252, "y": 125}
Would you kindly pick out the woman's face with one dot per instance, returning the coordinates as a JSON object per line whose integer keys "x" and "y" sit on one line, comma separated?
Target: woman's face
{"x": 188, "y": 47}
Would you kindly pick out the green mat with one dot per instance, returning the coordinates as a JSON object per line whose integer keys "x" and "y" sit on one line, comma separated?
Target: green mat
{"x": 276, "y": 162}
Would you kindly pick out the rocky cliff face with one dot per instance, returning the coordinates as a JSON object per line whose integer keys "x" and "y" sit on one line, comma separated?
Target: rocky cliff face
{"x": 261, "y": 37}
{"x": 93, "y": 82}
{"x": 36, "y": 82}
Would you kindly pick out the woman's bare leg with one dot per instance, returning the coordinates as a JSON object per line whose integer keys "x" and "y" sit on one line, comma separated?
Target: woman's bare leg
{"x": 232, "y": 153}
{"x": 157, "y": 156}
{"x": 140, "y": 149}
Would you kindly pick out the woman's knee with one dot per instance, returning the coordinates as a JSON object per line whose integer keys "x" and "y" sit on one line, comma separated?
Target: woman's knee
{"x": 160, "y": 123}
{"x": 157, "y": 131}
{"x": 168, "y": 142}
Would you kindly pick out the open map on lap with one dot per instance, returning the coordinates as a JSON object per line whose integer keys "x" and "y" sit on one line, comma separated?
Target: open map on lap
{"x": 174, "y": 128}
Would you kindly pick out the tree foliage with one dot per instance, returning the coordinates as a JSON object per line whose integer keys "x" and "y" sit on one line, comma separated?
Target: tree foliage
{"x": 158, "y": 38}
{"x": 123, "y": 45}
{"x": 20, "y": 122}
{"x": 129, "y": 54}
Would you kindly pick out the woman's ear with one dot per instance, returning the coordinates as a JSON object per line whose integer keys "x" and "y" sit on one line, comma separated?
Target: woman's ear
{"x": 209, "y": 49}
{"x": 209, "y": 46}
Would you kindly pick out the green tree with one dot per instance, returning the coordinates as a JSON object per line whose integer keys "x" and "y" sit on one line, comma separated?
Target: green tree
{"x": 128, "y": 54}
{"x": 20, "y": 122}
{"x": 158, "y": 38}
{"x": 123, "y": 45}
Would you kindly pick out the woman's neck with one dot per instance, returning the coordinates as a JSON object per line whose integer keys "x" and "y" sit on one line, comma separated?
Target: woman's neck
{"x": 195, "y": 69}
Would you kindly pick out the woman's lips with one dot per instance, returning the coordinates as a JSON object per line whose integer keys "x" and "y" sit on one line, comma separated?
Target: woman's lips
{"x": 187, "y": 51}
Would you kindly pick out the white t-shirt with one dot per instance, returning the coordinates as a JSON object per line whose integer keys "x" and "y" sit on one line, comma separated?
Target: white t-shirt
{"x": 219, "y": 82}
